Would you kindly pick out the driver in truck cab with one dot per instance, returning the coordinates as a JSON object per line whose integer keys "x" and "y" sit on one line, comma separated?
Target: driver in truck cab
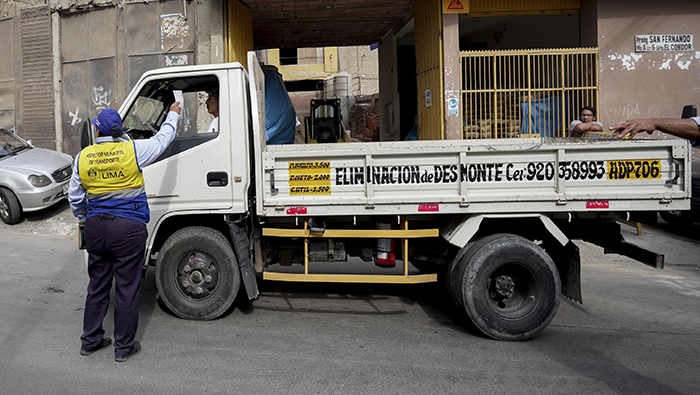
{"x": 108, "y": 196}
{"x": 213, "y": 108}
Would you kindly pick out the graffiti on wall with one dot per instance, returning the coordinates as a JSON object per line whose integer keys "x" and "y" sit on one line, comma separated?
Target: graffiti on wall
{"x": 626, "y": 111}
{"x": 633, "y": 61}
{"x": 176, "y": 60}
{"x": 101, "y": 97}
{"x": 74, "y": 117}
{"x": 173, "y": 30}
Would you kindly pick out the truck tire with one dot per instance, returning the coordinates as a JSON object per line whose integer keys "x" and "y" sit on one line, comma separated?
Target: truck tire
{"x": 508, "y": 286}
{"x": 10, "y": 210}
{"x": 197, "y": 273}
{"x": 681, "y": 218}
{"x": 449, "y": 278}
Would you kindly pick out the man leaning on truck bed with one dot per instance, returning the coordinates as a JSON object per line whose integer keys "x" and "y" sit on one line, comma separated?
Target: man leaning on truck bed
{"x": 586, "y": 122}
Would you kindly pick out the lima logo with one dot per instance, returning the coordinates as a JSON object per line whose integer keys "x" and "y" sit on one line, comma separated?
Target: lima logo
{"x": 92, "y": 174}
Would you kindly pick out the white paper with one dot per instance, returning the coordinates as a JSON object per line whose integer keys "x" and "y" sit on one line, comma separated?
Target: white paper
{"x": 178, "y": 97}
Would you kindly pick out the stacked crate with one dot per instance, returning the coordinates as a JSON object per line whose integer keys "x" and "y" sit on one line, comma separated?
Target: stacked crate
{"x": 479, "y": 116}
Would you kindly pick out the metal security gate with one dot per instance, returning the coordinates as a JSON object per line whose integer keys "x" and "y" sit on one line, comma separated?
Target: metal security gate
{"x": 37, "y": 77}
{"x": 526, "y": 93}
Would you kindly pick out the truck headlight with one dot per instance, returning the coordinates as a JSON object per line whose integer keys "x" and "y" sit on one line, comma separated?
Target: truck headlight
{"x": 39, "y": 181}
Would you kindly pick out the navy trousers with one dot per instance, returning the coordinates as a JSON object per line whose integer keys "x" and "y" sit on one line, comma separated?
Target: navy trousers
{"x": 116, "y": 251}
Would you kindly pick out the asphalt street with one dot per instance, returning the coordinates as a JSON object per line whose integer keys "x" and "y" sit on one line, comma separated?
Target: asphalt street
{"x": 638, "y": 332}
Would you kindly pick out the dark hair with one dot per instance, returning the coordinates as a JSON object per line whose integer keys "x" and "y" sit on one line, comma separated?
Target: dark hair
{"x": 589, "y": 108}
{"x": 116, "y": 131}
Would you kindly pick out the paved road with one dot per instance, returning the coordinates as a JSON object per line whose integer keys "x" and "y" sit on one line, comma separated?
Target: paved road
{"x": 638, "y": 332}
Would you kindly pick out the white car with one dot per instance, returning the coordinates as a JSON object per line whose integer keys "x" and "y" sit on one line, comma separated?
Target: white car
{"x": 31, "y": 178}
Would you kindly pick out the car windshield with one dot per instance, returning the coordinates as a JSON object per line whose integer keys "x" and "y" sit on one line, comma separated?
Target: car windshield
{"x": 10, "y": 144}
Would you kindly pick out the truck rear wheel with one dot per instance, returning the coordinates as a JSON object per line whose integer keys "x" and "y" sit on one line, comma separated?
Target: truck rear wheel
{"x": 197, "y": 274}
{"x": 508, "y": 286}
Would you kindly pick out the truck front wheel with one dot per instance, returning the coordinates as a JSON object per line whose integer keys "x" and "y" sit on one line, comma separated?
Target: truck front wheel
{"x": 197, "y": 273}
{"x": 508, "y": 286}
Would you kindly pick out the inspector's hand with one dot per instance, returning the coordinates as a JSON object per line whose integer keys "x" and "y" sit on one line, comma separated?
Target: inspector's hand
{"x": 176, "y": 107}
{"x": 634, "y": 126}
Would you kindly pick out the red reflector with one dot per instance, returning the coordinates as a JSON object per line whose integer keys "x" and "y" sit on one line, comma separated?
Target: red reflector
{"x": 428, "y": 207}
{"x": 597, "y": 204}
{"x": 296, "y": 210}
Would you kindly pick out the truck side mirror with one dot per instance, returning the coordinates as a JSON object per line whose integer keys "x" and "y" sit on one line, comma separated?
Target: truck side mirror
{"x": 86, "y": 134}
{"x": 691, "y": 110}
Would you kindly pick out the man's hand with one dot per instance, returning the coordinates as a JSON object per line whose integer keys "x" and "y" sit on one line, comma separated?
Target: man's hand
{"x": 634, "y": 126}
{"x": 685, "y": 128}
{"x": 176, "y": 107}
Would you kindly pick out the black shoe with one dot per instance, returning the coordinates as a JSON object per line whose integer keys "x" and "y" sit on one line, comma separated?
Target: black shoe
{"x": 135, "y": 349}
{"x": 105, "y": 342}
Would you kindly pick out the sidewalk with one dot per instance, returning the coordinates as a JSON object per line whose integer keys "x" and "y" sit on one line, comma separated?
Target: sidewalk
{"x": 56, "y": 220}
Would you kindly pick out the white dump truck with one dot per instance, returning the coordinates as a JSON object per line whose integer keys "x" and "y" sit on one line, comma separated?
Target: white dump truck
{"x": 493, "y": 220}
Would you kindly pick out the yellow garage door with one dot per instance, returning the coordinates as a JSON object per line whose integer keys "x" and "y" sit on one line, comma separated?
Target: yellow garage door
{"x": 428, "y": 24}
{"x": 239, "y": 33}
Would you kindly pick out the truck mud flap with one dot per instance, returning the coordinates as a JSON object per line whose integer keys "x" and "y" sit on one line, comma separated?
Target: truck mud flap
{"x": 568, "y": 262}
{"x": 241, "y": 246}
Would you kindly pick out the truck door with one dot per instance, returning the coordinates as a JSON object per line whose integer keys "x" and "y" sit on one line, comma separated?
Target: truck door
{"x": 194, "y": 173}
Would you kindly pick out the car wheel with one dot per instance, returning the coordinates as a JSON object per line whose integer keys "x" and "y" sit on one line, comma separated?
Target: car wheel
{"x": 10, "y": 210}
{"x": 197, "y": 274}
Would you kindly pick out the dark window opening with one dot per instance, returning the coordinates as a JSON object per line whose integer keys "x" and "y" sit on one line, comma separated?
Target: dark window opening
{"x": 288, "y": 56}
{"x": 302, "y": 85}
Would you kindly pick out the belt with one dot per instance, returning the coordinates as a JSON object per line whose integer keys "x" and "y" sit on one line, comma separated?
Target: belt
{"x": 106, "y": 216}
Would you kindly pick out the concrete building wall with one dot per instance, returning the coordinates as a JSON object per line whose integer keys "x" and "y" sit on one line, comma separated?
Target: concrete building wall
{"x": 99, "y": 50}
{"x": 519, "y": 32}
{"x": 301, "y": 102}
{"x": 9, "y": 73}
{"x": 363, "y": 64}
{"x": 646, "y": 84}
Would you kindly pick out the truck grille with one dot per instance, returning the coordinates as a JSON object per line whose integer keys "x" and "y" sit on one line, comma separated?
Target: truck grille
{"x": 62, "y": 174}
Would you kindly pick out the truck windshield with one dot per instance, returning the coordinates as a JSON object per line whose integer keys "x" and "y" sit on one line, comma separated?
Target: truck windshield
{"x": 151, "y": 107}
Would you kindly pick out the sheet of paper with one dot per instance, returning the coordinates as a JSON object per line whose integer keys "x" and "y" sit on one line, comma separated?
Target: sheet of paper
{"x": 178, "y": 97}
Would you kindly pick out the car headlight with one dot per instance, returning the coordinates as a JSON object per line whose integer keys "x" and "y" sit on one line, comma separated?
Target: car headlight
{"x": 39, "y": 181}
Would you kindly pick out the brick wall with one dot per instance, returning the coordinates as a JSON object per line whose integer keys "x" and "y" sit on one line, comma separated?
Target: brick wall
{"x": 301, "y": 102}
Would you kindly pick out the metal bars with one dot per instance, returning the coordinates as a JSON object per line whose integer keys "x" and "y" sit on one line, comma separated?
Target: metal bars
{"x": 526, "y": 93}
{"x": 404, "y": 233}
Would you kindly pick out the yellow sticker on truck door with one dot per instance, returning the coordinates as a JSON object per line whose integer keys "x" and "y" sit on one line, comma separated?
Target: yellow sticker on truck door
{"x": 649, "y": 169}
{"x": 310, "y": 178}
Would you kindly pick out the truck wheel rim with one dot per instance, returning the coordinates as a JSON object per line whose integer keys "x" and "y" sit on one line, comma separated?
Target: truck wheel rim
{"x": 512, "y": 291}
{"x": 197, "y": 275}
